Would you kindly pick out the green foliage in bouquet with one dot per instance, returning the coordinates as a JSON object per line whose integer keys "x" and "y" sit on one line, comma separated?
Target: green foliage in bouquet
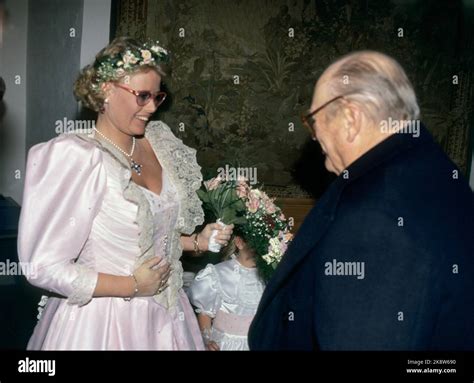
{"x": 221, "y": 202}
{"x": 257, "y": 219}
{"x": 268, "y": 234}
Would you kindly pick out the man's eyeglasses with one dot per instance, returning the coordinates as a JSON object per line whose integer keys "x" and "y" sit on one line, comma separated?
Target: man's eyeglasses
{"x": 308, "y": 120}
{"x": 143, "y": 97}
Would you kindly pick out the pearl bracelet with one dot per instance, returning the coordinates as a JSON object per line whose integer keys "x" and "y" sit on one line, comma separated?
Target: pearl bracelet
{"x": 135, "y": 292}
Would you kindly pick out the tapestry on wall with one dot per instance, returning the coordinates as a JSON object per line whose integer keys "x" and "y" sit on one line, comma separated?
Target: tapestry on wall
{"x": 243, "y": 71}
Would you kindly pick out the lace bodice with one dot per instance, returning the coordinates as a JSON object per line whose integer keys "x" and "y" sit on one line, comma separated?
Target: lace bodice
{"x": 164, "y": 208}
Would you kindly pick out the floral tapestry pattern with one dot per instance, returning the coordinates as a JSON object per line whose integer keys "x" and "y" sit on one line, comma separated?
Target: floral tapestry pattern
{"x": 243, "y": 71}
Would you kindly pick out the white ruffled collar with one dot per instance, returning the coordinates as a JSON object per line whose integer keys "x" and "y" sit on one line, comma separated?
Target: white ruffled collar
{"x": 237, "y": 264}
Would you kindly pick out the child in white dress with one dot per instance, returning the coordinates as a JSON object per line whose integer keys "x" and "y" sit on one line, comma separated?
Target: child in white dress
{"x": 226, "y": 298}
{"x": 226, "y": 295}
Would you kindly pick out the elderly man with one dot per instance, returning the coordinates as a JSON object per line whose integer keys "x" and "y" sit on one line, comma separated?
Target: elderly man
{"x": 385, "y": 260}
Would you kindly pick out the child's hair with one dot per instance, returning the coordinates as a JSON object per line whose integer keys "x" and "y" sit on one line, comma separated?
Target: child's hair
{"x": 230, "y": 249}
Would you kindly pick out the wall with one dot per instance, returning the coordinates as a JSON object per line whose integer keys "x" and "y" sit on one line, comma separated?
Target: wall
{"x": 54, "y": 46}
{"x": 46, "y": 42}
{"x": 244, "y": 71}
{"x": 95, "y": 29}
{"x": 13, "y": 51}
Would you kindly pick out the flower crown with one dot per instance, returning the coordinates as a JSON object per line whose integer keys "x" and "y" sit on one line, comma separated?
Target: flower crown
{"x": 111, "y": 68}
{"x": 256, "y": 218}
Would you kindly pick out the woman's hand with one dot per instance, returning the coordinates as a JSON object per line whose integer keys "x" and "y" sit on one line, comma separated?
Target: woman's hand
{"x": 151, "y": 279}
{"x": 212, "y": 346}
{"x": 223, "y": 235}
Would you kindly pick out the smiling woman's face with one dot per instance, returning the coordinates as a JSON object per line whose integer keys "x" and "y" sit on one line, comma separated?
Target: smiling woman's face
{"x": 122, "y": 109}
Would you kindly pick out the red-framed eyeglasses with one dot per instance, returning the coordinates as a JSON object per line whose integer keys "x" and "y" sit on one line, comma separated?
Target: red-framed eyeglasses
{"x": 143, "y": 97}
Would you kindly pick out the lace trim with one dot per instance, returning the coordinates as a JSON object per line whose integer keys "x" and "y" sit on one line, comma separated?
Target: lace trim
{"x": 229, "y": 341}
{"x": 41, "y": 306}
{"x": 185, "y": 173}
{"x": 83, "y": 286}
{"x": 210, "y": 314}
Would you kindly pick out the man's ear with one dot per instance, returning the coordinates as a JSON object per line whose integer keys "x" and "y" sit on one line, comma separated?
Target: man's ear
{"x": 352, "y": 117}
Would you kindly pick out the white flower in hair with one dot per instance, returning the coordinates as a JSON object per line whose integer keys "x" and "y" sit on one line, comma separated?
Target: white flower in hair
{"x": 127, "y": 58}
{"x": 146, "y": 55}
{"x": 158, "y": 49}
{"x": 267, "y": 258}
{"x": 275, "y": 254}
{"x": 162, "y": 50}
{"x": 115, "y": 66}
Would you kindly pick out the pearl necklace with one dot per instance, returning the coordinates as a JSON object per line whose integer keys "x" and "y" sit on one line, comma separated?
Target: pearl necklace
{"x": 134, "y": 165}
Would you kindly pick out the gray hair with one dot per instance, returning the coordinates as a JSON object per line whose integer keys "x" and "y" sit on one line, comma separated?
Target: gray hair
{"x": 377, "y": 83}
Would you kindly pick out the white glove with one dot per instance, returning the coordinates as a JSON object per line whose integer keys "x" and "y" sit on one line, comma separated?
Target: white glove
{"x": 213, "y": 245}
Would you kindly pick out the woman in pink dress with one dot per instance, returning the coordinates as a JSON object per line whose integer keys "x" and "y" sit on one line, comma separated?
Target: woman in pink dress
{"x": 107, "y": 213}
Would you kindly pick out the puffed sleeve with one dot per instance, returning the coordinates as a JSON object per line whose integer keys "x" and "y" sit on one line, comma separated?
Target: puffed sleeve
{"x": 205, "y": 293}
{"x": 64, "y": 186}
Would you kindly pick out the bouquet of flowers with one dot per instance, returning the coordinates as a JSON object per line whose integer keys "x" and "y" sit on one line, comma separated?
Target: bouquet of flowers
{"x": 255, "y": 216}
{"x": 221, "y": 200}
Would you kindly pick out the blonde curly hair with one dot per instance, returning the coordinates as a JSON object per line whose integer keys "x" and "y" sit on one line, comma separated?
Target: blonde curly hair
{"x": 85, "y": 87}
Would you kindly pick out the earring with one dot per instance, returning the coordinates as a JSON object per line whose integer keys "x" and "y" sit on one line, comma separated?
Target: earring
{"x": 102, "y": 108}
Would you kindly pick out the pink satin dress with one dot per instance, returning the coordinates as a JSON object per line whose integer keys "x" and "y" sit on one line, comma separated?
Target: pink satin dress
{"x": 76, "y": 223}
